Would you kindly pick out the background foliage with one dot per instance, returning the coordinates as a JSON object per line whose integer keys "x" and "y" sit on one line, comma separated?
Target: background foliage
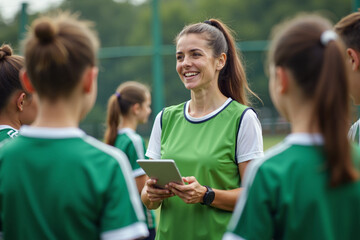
{"x": 122, "y": 23}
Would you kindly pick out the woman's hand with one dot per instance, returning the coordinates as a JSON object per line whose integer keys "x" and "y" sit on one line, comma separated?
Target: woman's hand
{"x": 152, "y": 196}
{"x": 193, "y": 192}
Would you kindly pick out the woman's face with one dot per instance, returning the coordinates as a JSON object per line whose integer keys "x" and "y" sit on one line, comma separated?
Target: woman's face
{"x": 195, "y": 63}
{"x": 145, "y": 109}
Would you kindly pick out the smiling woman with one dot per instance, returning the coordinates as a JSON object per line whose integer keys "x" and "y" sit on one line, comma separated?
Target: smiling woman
{"x": 196, "y": 66}
{"x": 211, "y": 137}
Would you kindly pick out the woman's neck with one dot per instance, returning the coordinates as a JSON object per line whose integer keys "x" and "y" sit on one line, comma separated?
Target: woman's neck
{"x": 14, "y": 123}
{"x": 58, "y": 114}
{"x": 10, "y": 118}
{"x": 205, "y": 101}
{"x": 301, "y": 119}
{"x": 128, "y": 122}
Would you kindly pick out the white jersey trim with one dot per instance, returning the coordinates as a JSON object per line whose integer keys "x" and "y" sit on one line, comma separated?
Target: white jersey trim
{"x": 126, "y": 170}
{"x": 133, "y": 231}
{"x": 138, "y": 172}
{"x": 12, "y": 131}
{"x": 136, "y": 140}
{"x": 353, "y": 130}
{"x": 51, "y": 133}
{"x": 248, "y": 179}
{"x": 231, "y": 236}
{"x": 138, "y": 145}
{"x": 210, "y": 115}
{"x": 249, "y": 141}
{"x": 305, "y": 139}
{"x": 6, "y": 127}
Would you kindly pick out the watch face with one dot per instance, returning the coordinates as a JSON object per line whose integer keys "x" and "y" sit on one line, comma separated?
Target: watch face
{"x": 209, "y": 196}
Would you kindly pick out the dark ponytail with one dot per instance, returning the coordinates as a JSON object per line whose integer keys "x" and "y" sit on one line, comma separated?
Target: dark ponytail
{"x": 112, "y": 120}
{"x": 319, "y": 69}
{"x": 332, "y": 111}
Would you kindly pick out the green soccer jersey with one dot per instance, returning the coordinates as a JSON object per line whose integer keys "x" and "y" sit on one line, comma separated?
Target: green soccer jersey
{"x": 133, "y": 145}
{"x": 62, "y": 184}
{"x": 206, "y": 150}
{"x": 288, "y": 196}
{"x": 7, "y": 132}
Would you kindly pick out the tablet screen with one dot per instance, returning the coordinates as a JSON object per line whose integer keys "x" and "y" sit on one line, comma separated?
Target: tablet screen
{"x": 164, "y": 170}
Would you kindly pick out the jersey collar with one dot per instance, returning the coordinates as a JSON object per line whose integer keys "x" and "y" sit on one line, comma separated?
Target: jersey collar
{"x": 6, "y": 127}
{"x": 126, "y": 130}
{"x": 51, "y": 133}
{"x": 208, "y": 116}
{"x": 306, "y": 139}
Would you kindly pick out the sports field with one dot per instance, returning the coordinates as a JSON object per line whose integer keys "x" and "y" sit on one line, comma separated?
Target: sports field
{"x": 271, "y": 140}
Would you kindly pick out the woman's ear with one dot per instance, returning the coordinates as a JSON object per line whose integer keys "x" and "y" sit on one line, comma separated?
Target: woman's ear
{"x": 282, "y": 76}
{"x": 20, "y": 101}
{"x": 136, "y": 108}
{"x": 90, "y": 77}
{"x": 25, "y": 81}
{"x": 353, "y": 57}
{"x": 221, "y": 61}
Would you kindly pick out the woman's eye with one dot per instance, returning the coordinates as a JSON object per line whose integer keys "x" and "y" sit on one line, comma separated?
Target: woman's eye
{"x": 179, "y": 57}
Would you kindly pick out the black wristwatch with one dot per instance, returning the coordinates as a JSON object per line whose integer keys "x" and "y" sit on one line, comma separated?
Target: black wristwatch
{"x": 209, "y": 196}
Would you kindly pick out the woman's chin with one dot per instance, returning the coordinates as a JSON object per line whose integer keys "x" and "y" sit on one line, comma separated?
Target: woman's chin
{"x": 190, "y": 86}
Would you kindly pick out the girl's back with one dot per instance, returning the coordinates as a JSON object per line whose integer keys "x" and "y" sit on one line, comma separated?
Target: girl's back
{"x": 308, "y": 187}
{"x": 56, "y": 186}
{"x": 290, "y": 196}
{"x": 56, "y": 182}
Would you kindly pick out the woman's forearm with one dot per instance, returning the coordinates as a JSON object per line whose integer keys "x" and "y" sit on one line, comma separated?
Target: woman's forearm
{"x": 226, "y": 199}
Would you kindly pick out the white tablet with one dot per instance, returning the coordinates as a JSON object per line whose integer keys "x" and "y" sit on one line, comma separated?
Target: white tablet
{"x": 164, "y": 170}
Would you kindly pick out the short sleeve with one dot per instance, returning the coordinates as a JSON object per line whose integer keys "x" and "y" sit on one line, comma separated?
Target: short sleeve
{"x": 154, "y": 147}
{"x": 249, "y": 140}
{"x": 123, "y": 216}
{"x": 135, "y": 150}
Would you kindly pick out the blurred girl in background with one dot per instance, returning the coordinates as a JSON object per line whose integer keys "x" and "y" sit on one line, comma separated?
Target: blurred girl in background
{"x": 127, "y": 108}
{"x": 17, "y": 107}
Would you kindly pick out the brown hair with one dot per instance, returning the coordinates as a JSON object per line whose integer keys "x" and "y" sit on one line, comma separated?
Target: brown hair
{"x": 319, "y": 70}
{"x": 232, "y": 78}
{"x": 10, "y": 66}
{"x": 349, "y": 30}
{"x": 57, "y": 51}
{"x": 119, "y": 104}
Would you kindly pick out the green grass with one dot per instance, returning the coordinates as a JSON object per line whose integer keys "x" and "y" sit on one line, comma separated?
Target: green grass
{"x": 271, "y": 140}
